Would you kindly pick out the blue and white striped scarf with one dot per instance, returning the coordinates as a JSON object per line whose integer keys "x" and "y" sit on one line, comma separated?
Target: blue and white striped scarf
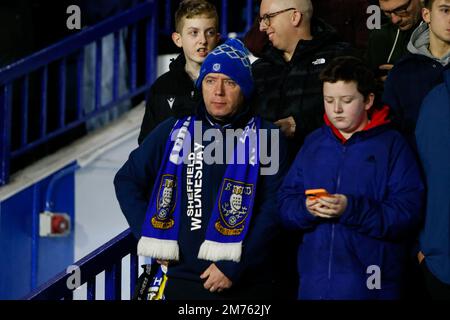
{"x": 231, "y": 215}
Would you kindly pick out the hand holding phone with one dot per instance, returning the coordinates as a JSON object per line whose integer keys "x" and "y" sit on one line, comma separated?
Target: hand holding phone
{"x": 313, "y": 194}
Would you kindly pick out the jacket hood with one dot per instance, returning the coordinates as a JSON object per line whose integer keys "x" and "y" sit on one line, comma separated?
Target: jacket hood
{"x": 420, "y": 41}
{"x": 378, "y": 117}
{"x": 178, "y": 63}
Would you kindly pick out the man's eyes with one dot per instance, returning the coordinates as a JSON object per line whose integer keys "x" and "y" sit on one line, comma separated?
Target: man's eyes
{"x": 230, "y": 83}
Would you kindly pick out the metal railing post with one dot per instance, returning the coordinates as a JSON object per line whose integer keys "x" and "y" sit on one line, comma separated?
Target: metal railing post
{"x": 5, "y": 132}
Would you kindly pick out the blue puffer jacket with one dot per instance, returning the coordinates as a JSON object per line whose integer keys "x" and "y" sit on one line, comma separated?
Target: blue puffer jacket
{"x": 378, "y": 173}
{"x": 433, "y": 143}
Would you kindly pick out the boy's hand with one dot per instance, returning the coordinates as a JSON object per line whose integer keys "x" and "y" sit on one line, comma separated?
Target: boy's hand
{"x": 215, "y": 279}
{"x": 327, "y": 207}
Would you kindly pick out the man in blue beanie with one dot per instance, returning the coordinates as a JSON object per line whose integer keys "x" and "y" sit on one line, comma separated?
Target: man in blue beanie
{"x": 202, "y": 209}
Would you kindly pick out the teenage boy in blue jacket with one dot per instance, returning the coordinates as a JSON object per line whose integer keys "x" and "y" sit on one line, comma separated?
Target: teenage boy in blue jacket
{"x": 355, "y": 240}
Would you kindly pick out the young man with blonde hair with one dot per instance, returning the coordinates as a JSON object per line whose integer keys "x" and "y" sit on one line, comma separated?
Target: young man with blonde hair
{"x": 174, "y": 93}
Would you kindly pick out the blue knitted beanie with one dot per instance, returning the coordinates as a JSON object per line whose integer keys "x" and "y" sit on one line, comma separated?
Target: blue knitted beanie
{"x": 231, "y": 59}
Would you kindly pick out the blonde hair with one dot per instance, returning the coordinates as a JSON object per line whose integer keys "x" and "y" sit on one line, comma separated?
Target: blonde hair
{"x": 189, "y": 9}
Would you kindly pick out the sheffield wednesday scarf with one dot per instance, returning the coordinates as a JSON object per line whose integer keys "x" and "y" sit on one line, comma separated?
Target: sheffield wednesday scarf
{"x": 231, "y": 213}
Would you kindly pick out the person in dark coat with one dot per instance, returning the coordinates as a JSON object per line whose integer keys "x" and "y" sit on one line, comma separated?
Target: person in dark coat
{"x": 213, "y": 222}
{"x": 433, "y": 144}
{"x": 421, "y": 70}
{"x": 388, "y": 44}
{"x": 289, "y": 92}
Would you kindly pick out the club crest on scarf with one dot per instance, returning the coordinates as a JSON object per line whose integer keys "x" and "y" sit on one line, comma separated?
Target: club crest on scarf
{"x": 234, "y": 202}
{"x": 163, "y": 218}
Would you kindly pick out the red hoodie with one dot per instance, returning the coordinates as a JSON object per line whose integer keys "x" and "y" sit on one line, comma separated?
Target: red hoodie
{"x": 377, "y": 117}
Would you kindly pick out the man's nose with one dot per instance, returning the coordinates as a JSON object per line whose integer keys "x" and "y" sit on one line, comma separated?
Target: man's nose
{"x": 395, "y": 19}
{"x": 218, "y": 88}
{"x": 262, "y": 26}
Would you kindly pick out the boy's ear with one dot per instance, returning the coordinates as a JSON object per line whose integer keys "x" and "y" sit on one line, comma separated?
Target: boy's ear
{"x": 369, "y": 101}
{"x": 426, "y": 15}
{"x": 176, "y": 38}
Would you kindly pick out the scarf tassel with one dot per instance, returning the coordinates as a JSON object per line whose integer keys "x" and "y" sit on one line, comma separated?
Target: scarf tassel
{"x": 158, "y": 248}
{"x": 215, "y": 251}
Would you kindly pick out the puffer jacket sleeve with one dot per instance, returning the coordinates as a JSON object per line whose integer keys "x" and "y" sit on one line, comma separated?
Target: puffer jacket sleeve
{"x": 292, "y": 199}
{"x": 399, "y": 214}
{"x": 134, "y": 181}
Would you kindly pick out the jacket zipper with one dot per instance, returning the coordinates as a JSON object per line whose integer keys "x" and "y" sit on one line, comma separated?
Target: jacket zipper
{"x": 338, "y": 182}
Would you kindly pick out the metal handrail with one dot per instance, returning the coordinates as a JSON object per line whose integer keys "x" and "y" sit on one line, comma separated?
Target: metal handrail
{"x": 106, "y": 258}
{"x": 20, "y": 74}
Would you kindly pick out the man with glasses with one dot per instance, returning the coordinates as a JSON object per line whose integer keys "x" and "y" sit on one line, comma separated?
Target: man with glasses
{"x": 288, "y": 89}
{"x": 286, "y": 76}
{"x": 388, "y": 44}
{"x": 419, "y": 72}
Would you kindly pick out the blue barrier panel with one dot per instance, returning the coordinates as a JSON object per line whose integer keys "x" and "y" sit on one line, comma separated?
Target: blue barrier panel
{"x": 107, "y": 257}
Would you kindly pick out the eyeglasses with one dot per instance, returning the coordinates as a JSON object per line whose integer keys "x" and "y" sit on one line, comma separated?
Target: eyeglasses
{"x": 266, "y": 18}
{"x": 401, "y": 11}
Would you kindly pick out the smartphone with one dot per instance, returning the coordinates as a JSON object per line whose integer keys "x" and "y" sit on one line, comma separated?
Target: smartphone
{"x": 316, "y": 193}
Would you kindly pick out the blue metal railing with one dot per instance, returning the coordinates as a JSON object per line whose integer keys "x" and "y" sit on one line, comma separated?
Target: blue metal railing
{"x": 19, "y": 74}
{"x": 107, "y": 258}
{"x": 17, "y": 79}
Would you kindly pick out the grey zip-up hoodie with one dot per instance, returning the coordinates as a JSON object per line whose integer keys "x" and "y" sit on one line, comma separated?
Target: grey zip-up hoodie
{"x": 420, "y": 42}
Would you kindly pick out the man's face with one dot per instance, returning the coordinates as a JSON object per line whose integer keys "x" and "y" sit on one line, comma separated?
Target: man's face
{"x": 222, "y": 96}
{"x": 345, "y": 106}
{"x": 403, "y": 13}
{"x": 279, "y": 29}
{"x": 197, "y": 38}
{"x": 438, "y": 19}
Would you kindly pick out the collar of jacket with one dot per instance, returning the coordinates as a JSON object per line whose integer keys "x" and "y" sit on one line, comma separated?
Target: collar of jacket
{"x": 378, "y": 117}
{"x": 322, "y": 33}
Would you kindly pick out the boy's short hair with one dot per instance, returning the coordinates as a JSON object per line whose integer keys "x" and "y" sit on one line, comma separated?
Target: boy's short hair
{"x": 349, "y": 69}
{"x": 193, "y": 8}
{"x": 427, "y": 4}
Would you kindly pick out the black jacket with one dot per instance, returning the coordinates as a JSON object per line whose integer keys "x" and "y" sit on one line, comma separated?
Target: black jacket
{"x": 172, "y": 95}
{"x": 293, "y": 88}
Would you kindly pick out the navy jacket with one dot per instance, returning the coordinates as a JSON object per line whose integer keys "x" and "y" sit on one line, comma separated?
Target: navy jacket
{"x": 378, "y": 173}
{"x": 407, "y": 84}
{"x": 134, "y": 183}
{"x": 433, "y": 143}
